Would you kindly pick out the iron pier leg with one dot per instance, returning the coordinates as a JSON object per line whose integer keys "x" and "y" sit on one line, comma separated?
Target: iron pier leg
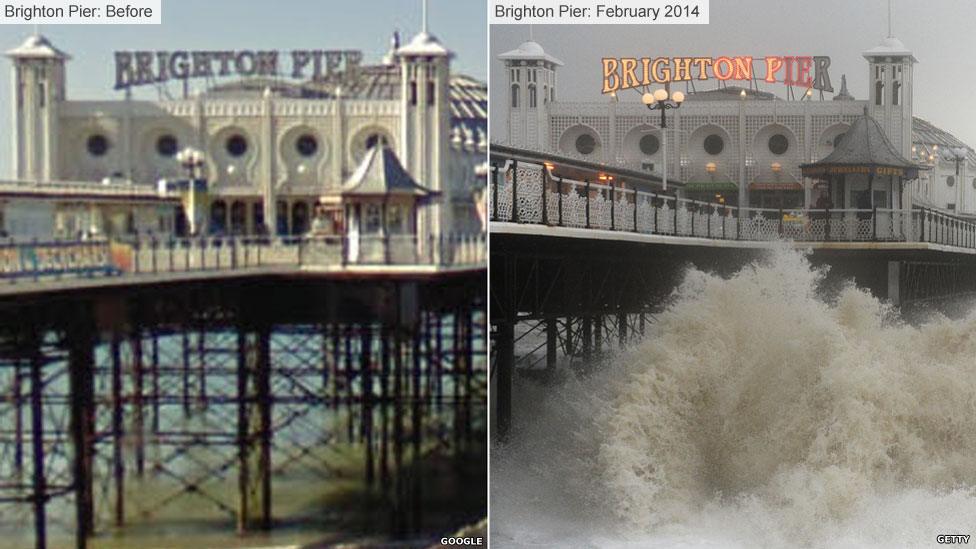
{"x": 81, "y": 370}
{"x": 17, "y": 397}
{"x": 439, "y": 357}
{"x": 506, "y": 364}
{"x": 243, "y": 442}
{"x": 37, "y": 443}
{"x": 598, "y": 334}
{"x": 552, "y": 332}
{"x": 202, "y": 365}
{"x": 398, "y": 431}
{"x": 264, "y": 417}
{"x": 350, "y": 372}
{"x": 587, "y": 338}
{"x": 456, "y": 377}
{"x": 417, "y": 421}
{"x": 468, "y": 371}
{"x": 138, "y": 420}
{"x": 622, "y": 329}
{"x": 336, "y": 355}
{"x": 118, "y": 431}
{"x": 365, "y": 363}
{"x": 186, "y": 371}
{"x": 384, "y": 396}
{"x": 155, "y": 382}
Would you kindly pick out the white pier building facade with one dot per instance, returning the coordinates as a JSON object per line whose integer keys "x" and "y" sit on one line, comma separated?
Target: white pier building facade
{"x": 740, "y": 145}
{"x": 274, "y": 148}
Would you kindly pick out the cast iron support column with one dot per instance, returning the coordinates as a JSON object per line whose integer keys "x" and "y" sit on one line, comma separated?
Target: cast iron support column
{"x": 118, "y": 431}
{"x": 552, "y": 333}
{"x": 37, "y": 443}
{"x": 264, "y": 417}
{"x": 137, "y": 419}
{"x": 365, "y": 364}
{"x": 81, "y": 361}
{"x": 243, "y": 442}
{"x": 506, "y": 365}
{"x": 587, "y": 338}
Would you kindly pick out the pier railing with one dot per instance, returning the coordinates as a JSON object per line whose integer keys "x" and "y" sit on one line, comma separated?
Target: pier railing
{"x": 37, "y": 260}
{"x": 529, "y": 194}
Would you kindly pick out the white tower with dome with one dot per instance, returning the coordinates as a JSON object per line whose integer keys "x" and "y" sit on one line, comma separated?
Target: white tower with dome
{"x": 890, "y": 68}
{"x": 38, "y": 90}
{"x": 532, "y": 88}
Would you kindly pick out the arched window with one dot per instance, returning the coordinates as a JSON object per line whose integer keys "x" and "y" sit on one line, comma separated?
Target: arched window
{"x": 895, "y": 93}
{"x": 430, "y": 93}
{"x": 299, "y": 218}
{"x": 532, "y": 97}
{"x": 218, "y": 217}
{"x": 281, "y": 217}
{"x": 879, "y": 93}
{"x": 238, "y": 217}
{"x": 515, "y": 96}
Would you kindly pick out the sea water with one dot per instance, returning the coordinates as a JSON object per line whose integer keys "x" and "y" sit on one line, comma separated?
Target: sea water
{"x": 756, "y": 412}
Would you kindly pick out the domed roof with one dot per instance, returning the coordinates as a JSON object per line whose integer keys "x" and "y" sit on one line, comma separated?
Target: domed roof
{"x": 37, "y": 47}
{"x": 424, "y": 44}
{"x": 890, "y": 46}
{"x": 530, "y": 49}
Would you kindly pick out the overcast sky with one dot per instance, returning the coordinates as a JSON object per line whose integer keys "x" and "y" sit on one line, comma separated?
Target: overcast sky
{"x": 939, "y": 32}
{"x": 234, "y": 24}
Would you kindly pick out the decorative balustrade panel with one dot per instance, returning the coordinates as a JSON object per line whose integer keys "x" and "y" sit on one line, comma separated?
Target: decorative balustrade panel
{"x": 570, "y": 203}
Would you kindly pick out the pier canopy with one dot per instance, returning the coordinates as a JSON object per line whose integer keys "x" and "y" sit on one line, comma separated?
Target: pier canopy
{"x": 863, "y": 156}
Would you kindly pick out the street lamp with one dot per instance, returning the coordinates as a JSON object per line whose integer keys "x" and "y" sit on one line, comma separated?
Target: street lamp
{"x": 191, "y": 160}
{"x": 659, "y": 101}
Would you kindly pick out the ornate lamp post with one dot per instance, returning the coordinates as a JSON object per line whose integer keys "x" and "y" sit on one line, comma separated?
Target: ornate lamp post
{"x": 658, "y": 100}
{"x": 192, "y": 161}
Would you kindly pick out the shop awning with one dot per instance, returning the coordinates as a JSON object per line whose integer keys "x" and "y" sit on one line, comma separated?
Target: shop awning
{"x": 775, "y": 186}
{"x": 711, "y": 187}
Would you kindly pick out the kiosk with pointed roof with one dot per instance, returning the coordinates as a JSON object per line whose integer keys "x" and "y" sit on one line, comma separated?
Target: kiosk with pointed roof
{"x": 864, "y": 170}
{"x": 380, "y": 202}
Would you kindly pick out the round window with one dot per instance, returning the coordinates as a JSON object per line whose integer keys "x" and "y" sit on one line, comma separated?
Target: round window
{"x": 950, "y": 181}
{"x": 166, "y": 145}
{"x": 97, "y": 145}
{"x": 585, "y": 144}
{"x": 649, "y": 144}
{"x": 714, "y": 144}
{"x": 778, "y": 144}
{"x": 236, "y": 145}
{"x": 375, "y": 139}
{"x": 307, "y": 145}
{"x": 838, "y": 138}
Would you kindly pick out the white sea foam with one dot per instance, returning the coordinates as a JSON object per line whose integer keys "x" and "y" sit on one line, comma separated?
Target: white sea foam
{"x": 754, "y": 413}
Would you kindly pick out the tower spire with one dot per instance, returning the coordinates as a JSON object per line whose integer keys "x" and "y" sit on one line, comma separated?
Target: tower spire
{"x": 425, "y": 16}
{"x": 889, "y": 18}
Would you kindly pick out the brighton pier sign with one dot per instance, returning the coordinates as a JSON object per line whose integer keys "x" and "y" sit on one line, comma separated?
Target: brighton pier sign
{"x": 630, "y": 72}
{"x": 138, "y": 68}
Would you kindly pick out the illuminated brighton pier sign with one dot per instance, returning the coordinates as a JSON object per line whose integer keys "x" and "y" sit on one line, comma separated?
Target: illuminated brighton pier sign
{"x": 138, "y": 68}
{"x": 624, "y": 73}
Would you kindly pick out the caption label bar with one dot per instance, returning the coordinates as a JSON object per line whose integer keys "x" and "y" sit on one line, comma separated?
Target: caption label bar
{"x": 599, "y": 12}
{"x": 82, "y": 12}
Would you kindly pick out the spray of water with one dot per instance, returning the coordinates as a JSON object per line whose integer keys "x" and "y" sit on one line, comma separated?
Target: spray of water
{"x": 754, "y": 413}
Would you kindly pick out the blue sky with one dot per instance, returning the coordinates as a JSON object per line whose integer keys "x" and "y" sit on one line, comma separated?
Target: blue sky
{"x": 238, "y": 24}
